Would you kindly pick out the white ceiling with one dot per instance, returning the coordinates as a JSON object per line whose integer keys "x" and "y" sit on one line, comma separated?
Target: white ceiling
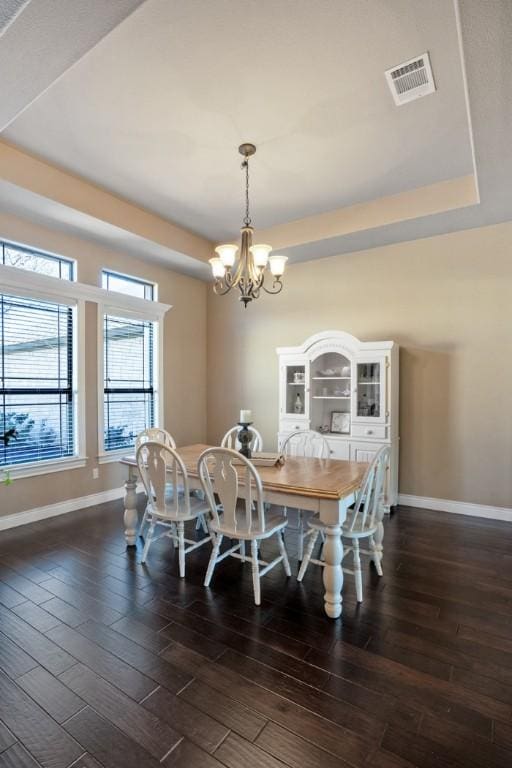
{"x": 41, "y": 39}
{"x": 155, "y": 111}
{"x": 150, "y": 99}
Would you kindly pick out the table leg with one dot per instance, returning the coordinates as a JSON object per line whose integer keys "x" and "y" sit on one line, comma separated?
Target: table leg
{"x": 131, "y": 517}
{"x": 333, "y": 571}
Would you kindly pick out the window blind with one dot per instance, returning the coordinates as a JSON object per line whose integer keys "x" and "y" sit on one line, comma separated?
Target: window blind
{"x": 36, "y": 380}
{"x": 129, "y": 394}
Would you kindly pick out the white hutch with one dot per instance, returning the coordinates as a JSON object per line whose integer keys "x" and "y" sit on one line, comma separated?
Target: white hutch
{"x": 346, "y": 389}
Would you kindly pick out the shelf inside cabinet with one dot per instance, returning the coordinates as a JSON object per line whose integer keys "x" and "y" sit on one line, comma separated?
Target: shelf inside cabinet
{"x": 331, "y": 378}
{"x": 331, "y": 397}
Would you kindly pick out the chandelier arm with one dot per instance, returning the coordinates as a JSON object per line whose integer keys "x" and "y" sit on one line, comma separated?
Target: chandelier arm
{"x": 277, "y": 282}
{"x": 220, "y": 288}
{"x": 235, "y": 279}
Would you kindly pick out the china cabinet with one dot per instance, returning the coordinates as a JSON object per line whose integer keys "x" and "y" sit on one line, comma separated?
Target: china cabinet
{"x": 346, "y": 389}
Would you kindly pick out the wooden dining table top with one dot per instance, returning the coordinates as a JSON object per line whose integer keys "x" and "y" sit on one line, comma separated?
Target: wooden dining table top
{"x": 318, "y": 478}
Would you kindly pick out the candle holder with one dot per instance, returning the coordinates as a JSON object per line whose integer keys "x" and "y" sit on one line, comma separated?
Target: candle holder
{"x": 245, "y": 437}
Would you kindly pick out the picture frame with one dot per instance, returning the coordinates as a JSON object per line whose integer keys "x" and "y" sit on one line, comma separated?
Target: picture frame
{"x": 340, "y": 422}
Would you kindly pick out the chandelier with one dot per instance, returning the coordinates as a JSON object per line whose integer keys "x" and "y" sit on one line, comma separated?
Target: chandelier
{"x": 248, "y": 272}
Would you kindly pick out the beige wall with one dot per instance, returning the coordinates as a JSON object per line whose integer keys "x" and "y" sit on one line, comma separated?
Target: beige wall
{"x": 446, "y": 300}
{"x": 184, "y": 358}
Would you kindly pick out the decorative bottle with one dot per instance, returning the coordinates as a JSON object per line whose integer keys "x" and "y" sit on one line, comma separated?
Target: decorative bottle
{"x": 298, "y": 404}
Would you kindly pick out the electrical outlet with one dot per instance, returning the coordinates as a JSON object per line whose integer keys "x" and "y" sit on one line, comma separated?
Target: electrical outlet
{"x": 95, "y": 473}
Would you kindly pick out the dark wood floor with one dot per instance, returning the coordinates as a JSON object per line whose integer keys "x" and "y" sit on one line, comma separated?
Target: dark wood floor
{"x": 104, "y": 662}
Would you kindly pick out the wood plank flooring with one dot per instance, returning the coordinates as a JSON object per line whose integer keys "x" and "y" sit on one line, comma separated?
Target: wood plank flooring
{"x": 105, "y": 663}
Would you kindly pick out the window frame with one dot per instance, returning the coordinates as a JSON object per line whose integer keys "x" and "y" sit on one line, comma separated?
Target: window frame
{"x": 111, "y": 308}
{"x": 23, "y": 282}
{"x": 78, "y": 459}
{"x": 130, "y": 279}
{"x": 42, "y": 254}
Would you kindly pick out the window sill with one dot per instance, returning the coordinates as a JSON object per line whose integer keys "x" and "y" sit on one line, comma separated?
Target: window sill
{"x": 112, "y": 456}
{"x": 43, "y": 467}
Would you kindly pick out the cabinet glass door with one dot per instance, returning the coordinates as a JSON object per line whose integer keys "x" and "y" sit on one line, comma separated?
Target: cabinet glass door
{"x": 369, "y": 391}
{"x": 295, "y": 394}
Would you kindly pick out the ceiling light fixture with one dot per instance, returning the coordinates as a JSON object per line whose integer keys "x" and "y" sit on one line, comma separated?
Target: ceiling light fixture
{"x": 248, "y": 274}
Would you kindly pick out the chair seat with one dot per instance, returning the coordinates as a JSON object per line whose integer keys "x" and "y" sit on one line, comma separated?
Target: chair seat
{"x": 197, "y": 507}
{"x": 273, "y": 523}
{"x": 359, "y": 532}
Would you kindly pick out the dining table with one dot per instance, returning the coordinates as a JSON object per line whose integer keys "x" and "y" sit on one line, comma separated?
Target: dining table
{"x": 326, "y": 487}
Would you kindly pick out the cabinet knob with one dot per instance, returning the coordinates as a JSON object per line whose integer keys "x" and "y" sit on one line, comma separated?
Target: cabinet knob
{"x": 369, "y": 431}
{"x": 296, "y": 426}
{"x": 331, "y": 451}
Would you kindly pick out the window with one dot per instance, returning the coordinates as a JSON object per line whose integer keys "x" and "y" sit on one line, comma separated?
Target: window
{"x": 133, "y": 286}
{"x": 129, "y": 390}
{"x": 37, "y": 398}
{"x": 34, "y": 261}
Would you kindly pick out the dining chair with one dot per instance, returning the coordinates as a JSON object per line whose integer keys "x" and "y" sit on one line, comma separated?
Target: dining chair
{"x": 155, "y": 462}
{"x": 230, "y": 439}
{"x": 222, "y": 471}
{"x": 362, "y": 522}
{"x": 160, "y": 435}
{"x": 305, "y": 443}
{"x": 155, "y": 434}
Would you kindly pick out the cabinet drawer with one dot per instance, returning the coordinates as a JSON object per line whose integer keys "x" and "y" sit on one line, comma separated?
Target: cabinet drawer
{"x": 339, "y": 450}
{"x": 293, "y": 424}
{"x": 373, "y": 431}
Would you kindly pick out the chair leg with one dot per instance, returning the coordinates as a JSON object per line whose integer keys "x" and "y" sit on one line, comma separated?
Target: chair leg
{"x": 357, "y": 571}
{"x": 213, "y": 560}
{"x": 376, "y": 556}
{"x": 300, "y": 528}
{"x": 255, "y": 572}
{"x": 143, "y": 523}
{"x": 181, "y": 545}
{"x": 307, "y": 556}
{"x": 242, "y": 549}
{"x": 282, "y": 550}
{"x": 149, "y": 539}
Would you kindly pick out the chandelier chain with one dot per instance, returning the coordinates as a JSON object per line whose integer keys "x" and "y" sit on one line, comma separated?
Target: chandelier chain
{"x": 247, "y": 218}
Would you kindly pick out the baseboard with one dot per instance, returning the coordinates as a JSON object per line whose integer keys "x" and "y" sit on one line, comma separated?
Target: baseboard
{"x": 60, "y": 508}
{"x": 456, "y": 507}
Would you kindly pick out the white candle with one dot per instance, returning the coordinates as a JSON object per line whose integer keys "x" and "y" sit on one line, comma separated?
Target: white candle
{"x": 245, "y": 417}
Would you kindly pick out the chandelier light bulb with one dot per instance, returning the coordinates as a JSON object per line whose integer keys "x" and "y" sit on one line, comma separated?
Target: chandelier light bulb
{"x": 277, "y": 264}
{"x": 227, "y": 254}
{"x": 260, "y": 254}
{"x": 218, "y": 268}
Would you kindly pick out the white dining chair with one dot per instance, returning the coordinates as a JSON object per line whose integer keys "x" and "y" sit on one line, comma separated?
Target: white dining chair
{"x": 155, "y": 434}
{"x": 222, "y": 471}
{"x": 230, "y": 439}
{"x": 155, "y": 462}
{"x": 159, "y": 435}
{"x": 362, "y": 522}
{"x": 305, "y": 443}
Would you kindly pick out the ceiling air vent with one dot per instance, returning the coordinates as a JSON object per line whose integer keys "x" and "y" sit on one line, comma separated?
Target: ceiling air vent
{"x": 411, "y": 80}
